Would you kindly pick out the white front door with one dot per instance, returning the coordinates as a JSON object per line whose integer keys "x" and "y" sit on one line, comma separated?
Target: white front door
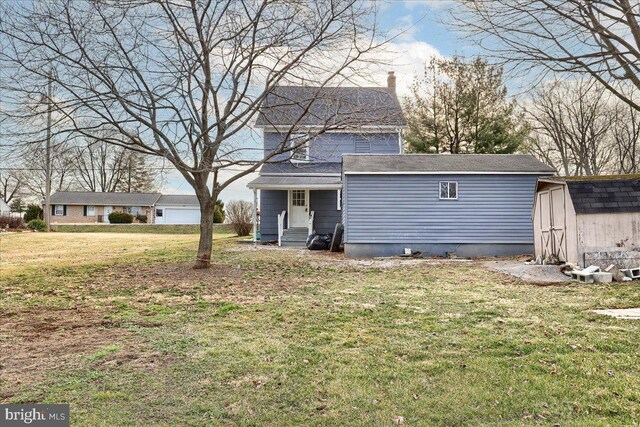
{"x": 107, "y": 211}
{"x": 298, "y": 208}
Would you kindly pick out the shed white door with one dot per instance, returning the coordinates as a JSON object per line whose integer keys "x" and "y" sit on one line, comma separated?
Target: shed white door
{"x": 552, "y": 224}
{"x": 298, "y": 208}
{"x": 558, "y": 224}
{"x": 181, "y": 216}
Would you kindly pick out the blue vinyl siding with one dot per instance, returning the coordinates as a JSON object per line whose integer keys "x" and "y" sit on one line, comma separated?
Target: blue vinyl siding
{"x": 272, "y": 202}
{"x": 330, "y": 147}
{"x": 407, "y": 209}
{"x": 324, "y": 203}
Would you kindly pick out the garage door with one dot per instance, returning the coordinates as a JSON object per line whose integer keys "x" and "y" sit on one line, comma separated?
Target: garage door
{"x": 181, "y": 216}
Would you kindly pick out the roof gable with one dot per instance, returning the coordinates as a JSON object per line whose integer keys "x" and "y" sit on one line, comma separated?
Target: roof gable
{"x": 340, "y": 107}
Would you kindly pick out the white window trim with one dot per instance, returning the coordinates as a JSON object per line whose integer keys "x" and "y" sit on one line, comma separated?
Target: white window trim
{"x": 339, "y": 199}
{"x": 304, "y": 147}
{"x": 89, "y": 213}
{"x": 55, "y": 210}
{"x": 448, "y": 183}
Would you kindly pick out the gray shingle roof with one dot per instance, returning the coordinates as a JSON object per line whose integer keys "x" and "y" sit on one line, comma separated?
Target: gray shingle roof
{"x": 591, "y": 196}
{"x": 338, "y": 106}
{"x": 101, "y": 199}
{"x": 289, "y": 182}
{"x": 461, "y": 163}
{"x": 301, "y": 168}
{"x": 178, "y": 199}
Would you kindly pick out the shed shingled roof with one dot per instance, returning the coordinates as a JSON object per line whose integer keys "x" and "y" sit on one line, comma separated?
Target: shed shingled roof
{"x": 592, "y": 196}
{"x": 336, "y": 106}
{"x": 444, "y": 163}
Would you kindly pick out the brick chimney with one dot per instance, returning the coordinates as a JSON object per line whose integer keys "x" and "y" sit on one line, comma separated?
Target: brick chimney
{"x": 391, "y": 81}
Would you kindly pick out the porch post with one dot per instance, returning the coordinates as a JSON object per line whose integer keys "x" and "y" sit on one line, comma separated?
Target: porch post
{"x": 255, "y": 216}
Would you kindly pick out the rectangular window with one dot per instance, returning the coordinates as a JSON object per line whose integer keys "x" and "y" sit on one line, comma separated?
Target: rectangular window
{"x": 91, "y": 210}
{"x": 59, "y": 210}
{"x": 301, "y": 151}
{"x": 339, "y": 202}
{"x": 298, "y": 198}
{"x": 133, "y": 210}
{"x": 159, "y": 213}
{"x": 448, "y": 190}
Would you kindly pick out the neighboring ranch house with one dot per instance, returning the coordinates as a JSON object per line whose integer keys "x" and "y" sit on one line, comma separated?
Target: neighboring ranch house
{"x": 300, "y": 191}
{"x": 73, "y": 207}
{"x": 467, "y": 204}
{"x": 575, "y": 217}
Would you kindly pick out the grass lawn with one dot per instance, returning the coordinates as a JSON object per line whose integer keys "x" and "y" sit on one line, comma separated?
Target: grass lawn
{"x": 121, "y": 328}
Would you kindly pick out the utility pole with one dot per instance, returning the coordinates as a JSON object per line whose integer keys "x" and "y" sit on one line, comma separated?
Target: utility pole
{"x": 47, "y": 165}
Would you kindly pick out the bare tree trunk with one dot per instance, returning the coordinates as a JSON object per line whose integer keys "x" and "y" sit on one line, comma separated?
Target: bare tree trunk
{"x": 205, "y": 245}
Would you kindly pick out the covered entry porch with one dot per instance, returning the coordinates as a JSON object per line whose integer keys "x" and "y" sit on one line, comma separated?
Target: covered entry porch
{"x": 292, "y": 207}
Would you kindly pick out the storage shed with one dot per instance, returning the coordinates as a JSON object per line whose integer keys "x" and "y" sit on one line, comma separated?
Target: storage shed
{"x": 578, "y": 219}
{"x": 471, "y": 205}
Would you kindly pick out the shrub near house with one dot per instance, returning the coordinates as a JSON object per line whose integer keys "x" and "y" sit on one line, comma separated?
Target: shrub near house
{"x": 120, "y": 218}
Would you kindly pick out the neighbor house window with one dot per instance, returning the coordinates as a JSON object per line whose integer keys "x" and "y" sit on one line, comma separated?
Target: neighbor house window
{"x": 91, "y": 210}
{"x": 448, "y": 190}
{"x": 159, "y": 213}
{"x": 301, "y": 151}
{"x": 339, "y": 202}
{"x": 133, "y": 210}
{"x": 59, "y": 210}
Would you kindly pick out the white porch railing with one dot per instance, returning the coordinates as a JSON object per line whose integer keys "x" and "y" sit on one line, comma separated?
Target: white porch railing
{"x": 281, "y": 217}
{"x": 311, "y": 222}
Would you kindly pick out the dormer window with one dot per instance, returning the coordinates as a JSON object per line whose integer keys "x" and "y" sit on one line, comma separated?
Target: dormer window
{"x": 301, "y": 151}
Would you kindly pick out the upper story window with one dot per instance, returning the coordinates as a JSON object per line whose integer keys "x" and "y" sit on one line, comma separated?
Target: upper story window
{"x": 448, "y": 190}
{"x": 301, "y": 151}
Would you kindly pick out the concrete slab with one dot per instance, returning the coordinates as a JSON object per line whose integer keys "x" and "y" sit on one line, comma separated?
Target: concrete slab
{"x": 622, "y": 313}
{"x": 542, "y": 274}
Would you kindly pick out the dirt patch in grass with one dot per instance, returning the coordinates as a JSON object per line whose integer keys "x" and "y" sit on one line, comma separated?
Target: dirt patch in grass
{"x": 35, "y": 341}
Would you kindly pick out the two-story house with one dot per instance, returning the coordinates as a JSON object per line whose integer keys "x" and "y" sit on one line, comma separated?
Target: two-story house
{"x": 300, "y": 191}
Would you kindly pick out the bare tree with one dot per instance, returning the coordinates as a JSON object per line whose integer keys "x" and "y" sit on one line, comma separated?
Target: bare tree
{"x": 32, "y": 169}
{"x": 573, "y": 127}
{"x": 184, "y": 80}
{"x": 99, "y": 166}
{"x": 600, "y": 38}
{"x": 626, "y": 134}
{"x": 11, "y": 184}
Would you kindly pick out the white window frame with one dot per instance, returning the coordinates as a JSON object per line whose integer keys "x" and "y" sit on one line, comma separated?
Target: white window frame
{"x": 339, "y": 199}
{"x": 55, "y": 210}
{"x": 130, "y": 210}
{"x": 159, "y": 212}
{"x": 292, "y": 141}
{"x": 91, "y": 210}
{"x": 448, "y": 190}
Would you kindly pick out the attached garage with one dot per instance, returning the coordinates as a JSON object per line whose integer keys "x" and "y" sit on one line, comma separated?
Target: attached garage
{"x": 578, "y": 219}
{"x": 177, "y": 209}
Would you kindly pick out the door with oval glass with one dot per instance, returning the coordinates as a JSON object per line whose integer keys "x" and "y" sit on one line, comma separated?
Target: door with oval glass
{"x": 298, "y": 208}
